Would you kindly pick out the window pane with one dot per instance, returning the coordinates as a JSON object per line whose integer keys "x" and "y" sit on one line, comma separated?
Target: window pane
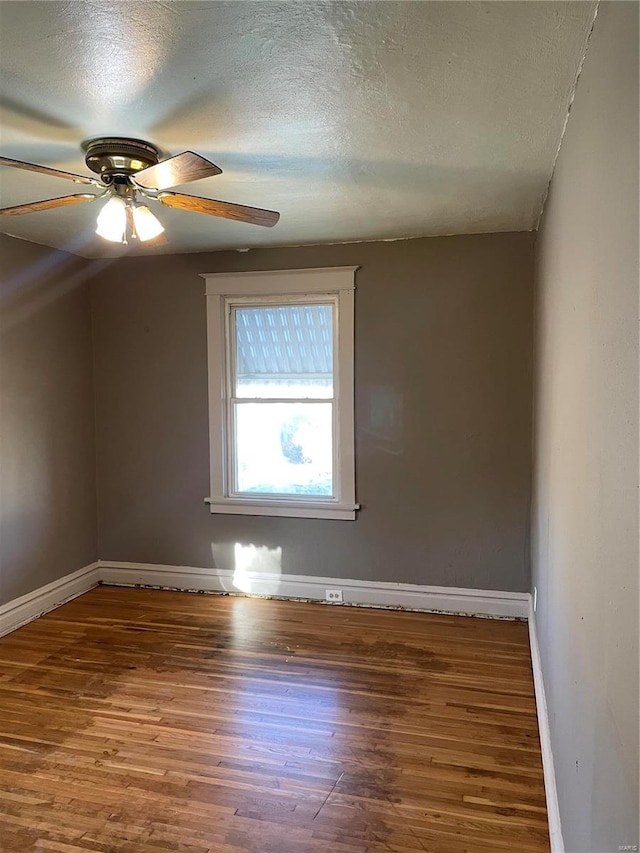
{"x": 284, "y": 351}
{"x": 284, "y": 448}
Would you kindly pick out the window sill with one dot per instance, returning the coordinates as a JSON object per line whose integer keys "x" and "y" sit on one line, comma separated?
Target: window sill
{"x": 308, "y": 509}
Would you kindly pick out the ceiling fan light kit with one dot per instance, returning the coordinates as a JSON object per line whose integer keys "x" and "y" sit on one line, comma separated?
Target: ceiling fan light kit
{"x": 119, "y": 214}
{"x": 129, "y": 170}
{"x": 111, "y": 223}
{"x": 146, "y": 225}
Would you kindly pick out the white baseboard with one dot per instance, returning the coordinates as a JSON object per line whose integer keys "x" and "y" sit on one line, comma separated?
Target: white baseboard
{"x": 21, "y": 610}
{"x": 474, "y": 602}
{"x": 551, "y": 793}
{"x": 435, "y": 599}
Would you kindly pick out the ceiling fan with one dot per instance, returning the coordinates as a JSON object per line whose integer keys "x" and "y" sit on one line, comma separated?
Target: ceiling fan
{"x": 130, "y": 170}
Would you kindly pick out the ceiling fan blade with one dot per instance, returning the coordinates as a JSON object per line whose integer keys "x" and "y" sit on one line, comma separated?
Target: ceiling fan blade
{"x": 47, "y": 170}
{"x": 225, "y": 209}
{"x": 176, "y": 170}
{"x": 47, "y": 204}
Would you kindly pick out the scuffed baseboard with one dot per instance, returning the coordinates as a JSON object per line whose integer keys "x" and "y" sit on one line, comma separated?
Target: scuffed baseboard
{"x": 435, "y": 599}
{"x": 551, "y": 793}
{"x": 21, "y": 610}
{"x": 473, "y": 602}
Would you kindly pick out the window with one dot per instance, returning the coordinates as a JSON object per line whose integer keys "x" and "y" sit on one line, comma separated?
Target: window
{"x": 281, "y": 392}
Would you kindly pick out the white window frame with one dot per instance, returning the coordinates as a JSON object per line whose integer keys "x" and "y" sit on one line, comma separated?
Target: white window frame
{"x": 302, "y": 286}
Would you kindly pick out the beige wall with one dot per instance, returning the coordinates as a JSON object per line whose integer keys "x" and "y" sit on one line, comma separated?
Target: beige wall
{"x": 443, "y": 345}
{"x": 47, "y": 461}
{"x": 585, "y": 520}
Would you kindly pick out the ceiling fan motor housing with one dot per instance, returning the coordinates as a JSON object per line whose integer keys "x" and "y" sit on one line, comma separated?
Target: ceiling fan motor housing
{"x": 114, "y": 155}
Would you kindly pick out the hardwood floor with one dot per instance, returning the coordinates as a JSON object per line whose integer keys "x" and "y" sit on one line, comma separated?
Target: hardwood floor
{"x": 140, "y": 721}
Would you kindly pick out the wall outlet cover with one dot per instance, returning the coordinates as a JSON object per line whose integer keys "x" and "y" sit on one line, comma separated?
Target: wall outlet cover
{"x": 334, "y": 595}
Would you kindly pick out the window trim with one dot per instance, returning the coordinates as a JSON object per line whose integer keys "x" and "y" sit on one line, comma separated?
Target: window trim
{"x": 224, "y": 289}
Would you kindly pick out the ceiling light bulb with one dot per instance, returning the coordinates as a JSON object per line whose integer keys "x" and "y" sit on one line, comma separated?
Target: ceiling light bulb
{"x": 146, "y": 224}
{"x": 112, "y": 220}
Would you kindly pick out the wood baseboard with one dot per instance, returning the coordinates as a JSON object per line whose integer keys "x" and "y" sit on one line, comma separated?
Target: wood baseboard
{"x": 433, "y": 599}
{"x": 472, "y": 602}
{"x": 551, "y": 793}
{"x": 21, "y": 610}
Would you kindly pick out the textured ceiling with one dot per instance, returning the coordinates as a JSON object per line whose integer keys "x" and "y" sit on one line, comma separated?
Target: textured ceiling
{"x": 357, "y": 121}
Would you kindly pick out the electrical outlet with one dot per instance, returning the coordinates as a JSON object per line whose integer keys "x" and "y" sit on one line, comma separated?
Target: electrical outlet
{"x": 535, "y": 598}
{"x": 334, "y": 595}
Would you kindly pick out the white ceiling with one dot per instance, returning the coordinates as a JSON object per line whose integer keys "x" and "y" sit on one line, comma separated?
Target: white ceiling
{"x": 356, "y": 120}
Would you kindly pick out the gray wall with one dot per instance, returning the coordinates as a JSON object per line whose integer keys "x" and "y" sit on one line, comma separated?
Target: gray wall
{"x": 585, "y": 520}
{"x": 443, "y": 343}
{"x": 47, "y": 460}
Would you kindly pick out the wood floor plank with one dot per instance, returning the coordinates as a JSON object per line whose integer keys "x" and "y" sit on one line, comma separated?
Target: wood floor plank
{"x": 142, "y": 721}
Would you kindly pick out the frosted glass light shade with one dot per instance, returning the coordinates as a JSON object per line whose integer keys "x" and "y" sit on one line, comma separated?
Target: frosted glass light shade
{"x": 146, "y": 224}
{"x": 112, "y": 220}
